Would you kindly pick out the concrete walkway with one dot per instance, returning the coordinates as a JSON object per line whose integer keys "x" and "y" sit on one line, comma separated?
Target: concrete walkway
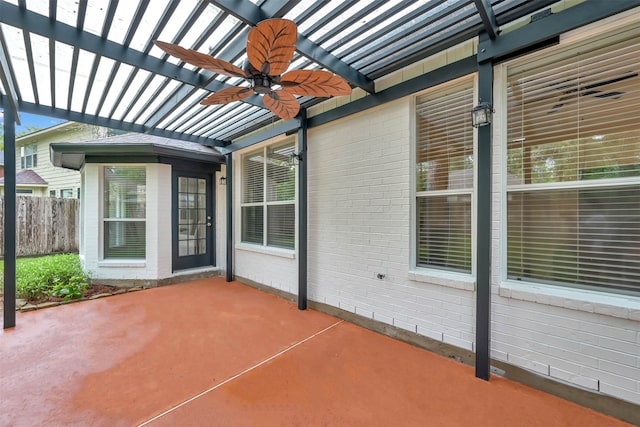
{"x": 211, "y": 353}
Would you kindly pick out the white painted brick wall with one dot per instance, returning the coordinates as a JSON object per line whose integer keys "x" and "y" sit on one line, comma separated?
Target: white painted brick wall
{"x": 359, "y": 226}
{"x": 271, "y": 270}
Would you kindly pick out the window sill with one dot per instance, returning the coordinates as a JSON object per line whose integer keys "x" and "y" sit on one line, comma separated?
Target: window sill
{"x": 122, "y": 263}
{"x": 283, "y": 253}
{"x": 606, "y": 303}
{"x": 444, "y": 278}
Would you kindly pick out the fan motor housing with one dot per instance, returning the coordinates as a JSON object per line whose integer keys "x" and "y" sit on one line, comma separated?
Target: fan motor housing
{"x": 261, "y": 84}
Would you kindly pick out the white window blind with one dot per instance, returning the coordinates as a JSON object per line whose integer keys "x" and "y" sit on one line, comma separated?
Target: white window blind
{"x": 573, "y": 163}
{"x": 268, "y": 208}
{"x": 124, "y": 212}
{"x": 444, "y": 177}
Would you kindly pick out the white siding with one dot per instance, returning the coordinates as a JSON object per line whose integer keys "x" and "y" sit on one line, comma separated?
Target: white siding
{"x": 58, "y": 178}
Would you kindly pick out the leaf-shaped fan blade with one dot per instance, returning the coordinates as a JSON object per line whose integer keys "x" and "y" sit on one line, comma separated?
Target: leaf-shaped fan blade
{"x": 314, "y": 83}
{"x": 227, "y": 95}
{"x": 271, "y": 44}
{"x": 282, "y": 104}
{"x": 201, "y": 60}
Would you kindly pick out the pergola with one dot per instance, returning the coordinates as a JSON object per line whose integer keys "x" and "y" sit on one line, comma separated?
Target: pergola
{"x": 95, "y": 62}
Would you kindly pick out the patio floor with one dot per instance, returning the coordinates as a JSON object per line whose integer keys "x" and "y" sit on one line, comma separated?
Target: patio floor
{"x": 214, "y": 353}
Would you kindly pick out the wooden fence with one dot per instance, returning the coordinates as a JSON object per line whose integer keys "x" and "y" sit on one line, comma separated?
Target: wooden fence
{"x": 44, "y": 225}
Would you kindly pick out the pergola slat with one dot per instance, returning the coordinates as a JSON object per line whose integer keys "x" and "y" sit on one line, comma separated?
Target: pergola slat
{"x": 38, "y": 24}
{"x": 135, "y": 23}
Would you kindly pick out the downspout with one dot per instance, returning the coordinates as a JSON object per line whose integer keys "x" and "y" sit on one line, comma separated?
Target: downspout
{"x": 9, "y": 304}
{"x": 229, "y": 172}
{"x": 483, "y": 235}
{"x": 302, "y": 210}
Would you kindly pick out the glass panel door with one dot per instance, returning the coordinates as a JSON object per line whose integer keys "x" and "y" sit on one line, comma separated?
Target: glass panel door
{"x": 193, "y": 221}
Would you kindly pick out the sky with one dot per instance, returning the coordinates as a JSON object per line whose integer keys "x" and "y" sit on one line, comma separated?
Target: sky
{"x": 40, "y": 122}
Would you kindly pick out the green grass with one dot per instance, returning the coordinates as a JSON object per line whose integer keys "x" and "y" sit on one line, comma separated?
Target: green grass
{"x": 53, "y": 275}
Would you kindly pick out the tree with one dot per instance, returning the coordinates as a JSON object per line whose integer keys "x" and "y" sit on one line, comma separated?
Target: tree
{"x": 28, "y": 130}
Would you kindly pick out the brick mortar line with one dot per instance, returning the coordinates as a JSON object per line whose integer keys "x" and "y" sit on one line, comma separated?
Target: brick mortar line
{"x": 238, "y": 375}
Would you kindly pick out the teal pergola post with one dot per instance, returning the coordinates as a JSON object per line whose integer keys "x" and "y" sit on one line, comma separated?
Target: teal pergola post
{"x": 483, "y": 235}
{"x": 302, "y": 211}
{"x": 9, "y": 304}
{"x": 229, "y": 172}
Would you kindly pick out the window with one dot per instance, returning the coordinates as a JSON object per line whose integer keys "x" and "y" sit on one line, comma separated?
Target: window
{"x": 444, "y": 178}
{"x": 24, "y": 191}
{"x": 29, "y": 156}
{"x": 124, "y": 212}
{"x": 573, "y": 162}
{"x": 268, "y": 196}
{"x": 52, "y": 193}
{"x": 66, "y": 193}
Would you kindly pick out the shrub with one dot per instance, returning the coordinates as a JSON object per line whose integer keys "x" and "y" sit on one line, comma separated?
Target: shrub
{"x": 55, "y": 275}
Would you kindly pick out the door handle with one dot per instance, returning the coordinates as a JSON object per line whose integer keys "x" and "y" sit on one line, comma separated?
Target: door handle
{"x": 208, "y": 224}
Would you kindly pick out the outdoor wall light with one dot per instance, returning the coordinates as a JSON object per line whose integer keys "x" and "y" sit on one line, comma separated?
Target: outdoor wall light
{"x": 223, "y": 180}
{"x": 481, "y": 114}
{"x": 295, "y": 159}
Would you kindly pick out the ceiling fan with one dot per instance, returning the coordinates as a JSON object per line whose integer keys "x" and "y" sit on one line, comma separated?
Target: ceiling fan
{"x": 270, "y": 49}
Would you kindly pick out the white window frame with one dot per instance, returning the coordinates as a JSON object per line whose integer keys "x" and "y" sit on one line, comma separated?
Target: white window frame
{"x": 24, "y": 156}
{"x": 104, "y": 219}
{"x": 264, "y": 247}
{"x": 603, "y": 300}
{"x": 434, "y": 275}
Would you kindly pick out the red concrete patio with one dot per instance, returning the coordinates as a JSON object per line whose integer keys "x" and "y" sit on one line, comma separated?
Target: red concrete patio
{"x": 214, "y": 353}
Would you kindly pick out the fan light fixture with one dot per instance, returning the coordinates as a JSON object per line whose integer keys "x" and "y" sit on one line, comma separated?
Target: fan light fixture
{"x": 481, "y": 115}
{"x": 270, "y": 49}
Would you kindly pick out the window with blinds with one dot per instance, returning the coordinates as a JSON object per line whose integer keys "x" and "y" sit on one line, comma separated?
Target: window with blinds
{"x": 444, "y": 178}
{"x": 268, "y": 196}
{"x": 124, "y": 212}
{"x": 573, "y": 164}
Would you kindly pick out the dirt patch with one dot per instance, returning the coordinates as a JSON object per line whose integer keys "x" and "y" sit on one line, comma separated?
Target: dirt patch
{"x": 91, "y": 291}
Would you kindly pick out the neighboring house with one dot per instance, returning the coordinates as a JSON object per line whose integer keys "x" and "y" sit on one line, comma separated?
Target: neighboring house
{"x": 1, "y": 164}
{"x": 36, "y": 175}
{"x": 28, "y": 183}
